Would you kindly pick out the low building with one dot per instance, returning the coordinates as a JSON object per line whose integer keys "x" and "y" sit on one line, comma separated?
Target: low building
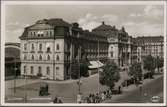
{"x": 12, "y": 60}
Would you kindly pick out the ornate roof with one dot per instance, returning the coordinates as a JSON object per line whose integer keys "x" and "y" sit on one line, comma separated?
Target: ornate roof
{"x": 58, "y": 22}
{"x": 103, "y": 26}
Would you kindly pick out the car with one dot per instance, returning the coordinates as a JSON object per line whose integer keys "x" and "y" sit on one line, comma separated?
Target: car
{"x": 155, "y": 99}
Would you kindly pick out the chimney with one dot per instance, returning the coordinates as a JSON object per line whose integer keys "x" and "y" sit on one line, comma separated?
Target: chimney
{"x": 103, "y": 23}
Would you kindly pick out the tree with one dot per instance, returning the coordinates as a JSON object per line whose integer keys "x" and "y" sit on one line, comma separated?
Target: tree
{"x": 136, "y": 71}
{"x": 149, "y": 64}
{"x": 84, "y": 69}
{"x": 110, "y": 75}
{"x": 80, "y": 70}
{"x": 159, "y": 62}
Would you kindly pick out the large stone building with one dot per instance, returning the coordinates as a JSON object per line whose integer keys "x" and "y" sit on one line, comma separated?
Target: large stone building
{"x": 53, "y": 47}
{"x": 147, "y": 45}
{"x": 120, "y": 44}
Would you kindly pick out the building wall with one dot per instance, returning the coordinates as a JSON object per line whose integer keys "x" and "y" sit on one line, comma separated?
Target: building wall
{"x": 55, "y": 55}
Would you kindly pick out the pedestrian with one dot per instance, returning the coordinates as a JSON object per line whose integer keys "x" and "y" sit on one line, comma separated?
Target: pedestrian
{"x": 55, "y": 100}
{"x": 102, "y": 96}
{"x": 59, "y": 101}
{"x": 119, "y": 89}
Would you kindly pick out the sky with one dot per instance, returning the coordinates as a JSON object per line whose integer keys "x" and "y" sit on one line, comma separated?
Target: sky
{"x": 138, "y": 20}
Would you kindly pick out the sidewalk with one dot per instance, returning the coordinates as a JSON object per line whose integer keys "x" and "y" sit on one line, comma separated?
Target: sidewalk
{"x": 130, "y": 88}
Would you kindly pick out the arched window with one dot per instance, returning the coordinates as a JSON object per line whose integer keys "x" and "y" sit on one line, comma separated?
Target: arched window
{"x": 48, "y": 49}
{"x": 48, "y": 70}
{"x": 57, "y": 47}
{"x": 57, "y": 58}
{"x": 40, "y": 47}
{"x": 48, "y": 58}
{"x": 25, "y": 57}
{"x": 40, "y": 57}
{"x": 32, "y": 47}
{"x": 32, "y": 57}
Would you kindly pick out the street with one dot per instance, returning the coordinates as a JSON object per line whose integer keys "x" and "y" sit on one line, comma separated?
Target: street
{"x": 150, "y": 89}
{"x": 68, "y": 90}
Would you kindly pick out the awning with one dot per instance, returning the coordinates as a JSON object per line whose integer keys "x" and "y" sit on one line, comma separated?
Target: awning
{"x": 100, "y": 63}
{"x": 95, "y": 64}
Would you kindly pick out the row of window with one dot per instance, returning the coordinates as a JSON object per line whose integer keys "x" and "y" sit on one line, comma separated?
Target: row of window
{"x": 40, "y": 47}
{"x": 41, "y": 58}
{"x": 39, "y": 70}
{"x": 41, "y": 33}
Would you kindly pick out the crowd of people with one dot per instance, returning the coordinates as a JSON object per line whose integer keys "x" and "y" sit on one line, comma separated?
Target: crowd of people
{"x": 57, "y": 100}
{"x": 98, "y": 97}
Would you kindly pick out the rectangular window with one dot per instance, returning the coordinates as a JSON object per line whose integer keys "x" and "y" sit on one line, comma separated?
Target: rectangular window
{"x": 111, "y": 54}
{"x": 25, "y": 47}
{"x": 24, "y": 69}
{"x": 32, "y": 69}
{"x": 40, "y": 47}
{"x": 48, "y": 71}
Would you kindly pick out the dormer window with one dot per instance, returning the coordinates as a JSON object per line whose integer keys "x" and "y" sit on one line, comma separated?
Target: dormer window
{"x": 25, "y": 47}
{"x": 40, "y": 33}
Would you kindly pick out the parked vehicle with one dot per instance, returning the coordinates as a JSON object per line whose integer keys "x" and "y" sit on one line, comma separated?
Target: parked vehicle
{"x": 155, "y": 99}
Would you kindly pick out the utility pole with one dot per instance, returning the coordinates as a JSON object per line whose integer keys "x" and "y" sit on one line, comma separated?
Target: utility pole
{"x": 79, "y": 89}
{"x": 25, "y": 91}
{"x": 98, "y": 69}
{"x": 15, "y": 76}
{"x": 54, "y": 58}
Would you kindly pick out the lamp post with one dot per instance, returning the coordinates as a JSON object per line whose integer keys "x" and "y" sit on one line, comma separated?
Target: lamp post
{"x": 25, "y": 91}
{"x": 98, "y": 70}
{"x": 15, "y": 76}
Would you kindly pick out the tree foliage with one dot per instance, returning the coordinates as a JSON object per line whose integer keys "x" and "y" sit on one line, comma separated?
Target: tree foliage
{"x": 136, "y": 71}
{"x": 84, "y": 69}
{"x": 159, "y": 62}
{"x": 110, "y": 75}
{"x": 149, "y": 64}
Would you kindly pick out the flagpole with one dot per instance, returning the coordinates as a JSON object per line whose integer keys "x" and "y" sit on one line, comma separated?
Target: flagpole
{"x": 98, "y": 68}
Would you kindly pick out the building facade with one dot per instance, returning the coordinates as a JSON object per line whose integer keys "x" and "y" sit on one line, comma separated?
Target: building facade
{"x": 150, "y": 46}
{"x": 120, "y": 42}
{"x": 53, "y": 48}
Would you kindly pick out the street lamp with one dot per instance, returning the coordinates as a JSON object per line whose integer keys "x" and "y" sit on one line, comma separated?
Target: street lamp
{"x": 25, "y": 92}
{"x": 15, "y": 68}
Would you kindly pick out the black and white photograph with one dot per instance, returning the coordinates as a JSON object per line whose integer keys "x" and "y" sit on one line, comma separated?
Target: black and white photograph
{"x": 108, "y": 53}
